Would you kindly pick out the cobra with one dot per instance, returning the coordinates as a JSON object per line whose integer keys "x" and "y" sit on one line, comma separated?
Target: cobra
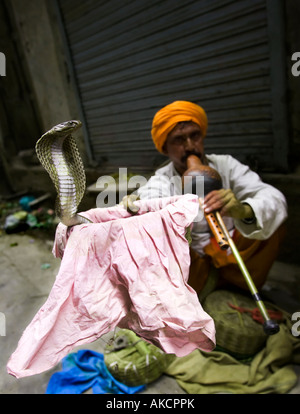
{"x": 58, "y": 153}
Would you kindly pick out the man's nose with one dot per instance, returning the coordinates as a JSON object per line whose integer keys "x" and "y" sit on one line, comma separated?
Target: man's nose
{"x": 189, "y": 144}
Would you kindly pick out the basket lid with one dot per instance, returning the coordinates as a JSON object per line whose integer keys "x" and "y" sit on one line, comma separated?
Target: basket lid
{"x": 134, "y": 361}
{"x": 236, "y": 331}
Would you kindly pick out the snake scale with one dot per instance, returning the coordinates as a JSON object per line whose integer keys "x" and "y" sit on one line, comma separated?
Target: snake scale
{"x": 58, "y": 153}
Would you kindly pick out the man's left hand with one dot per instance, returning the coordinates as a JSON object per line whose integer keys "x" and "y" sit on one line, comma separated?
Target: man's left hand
{"x": 227, "y": 204}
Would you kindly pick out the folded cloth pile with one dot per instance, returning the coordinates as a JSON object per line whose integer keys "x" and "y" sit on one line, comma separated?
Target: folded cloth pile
{"x": 270, "y": 371}
{"x": 121, "y": 270}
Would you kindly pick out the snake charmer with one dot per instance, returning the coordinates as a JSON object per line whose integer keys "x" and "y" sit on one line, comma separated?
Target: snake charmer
{"x": 253, "y": 211}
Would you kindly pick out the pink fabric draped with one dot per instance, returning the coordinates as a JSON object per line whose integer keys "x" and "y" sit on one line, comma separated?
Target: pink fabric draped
{"x": 121, "y": 271}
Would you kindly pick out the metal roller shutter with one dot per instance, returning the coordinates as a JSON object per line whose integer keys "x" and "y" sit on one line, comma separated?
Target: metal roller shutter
{"x": 131, "y": 58}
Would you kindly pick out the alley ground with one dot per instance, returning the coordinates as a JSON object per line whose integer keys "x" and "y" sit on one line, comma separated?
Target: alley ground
{"x": 28, "y": 270}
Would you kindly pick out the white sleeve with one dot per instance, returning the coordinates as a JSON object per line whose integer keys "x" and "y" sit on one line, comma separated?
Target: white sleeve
{"x": 268, "y": 203}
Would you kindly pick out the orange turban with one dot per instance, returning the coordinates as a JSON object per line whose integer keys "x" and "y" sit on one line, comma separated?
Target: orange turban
{"x": 168, "y": 117}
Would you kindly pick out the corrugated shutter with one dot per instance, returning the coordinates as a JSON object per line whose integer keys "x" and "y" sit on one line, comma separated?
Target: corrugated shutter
{"x": 133, "y": 57}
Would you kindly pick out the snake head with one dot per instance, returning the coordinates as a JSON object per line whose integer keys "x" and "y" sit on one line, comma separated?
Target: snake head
{"x": 65, "y": 128}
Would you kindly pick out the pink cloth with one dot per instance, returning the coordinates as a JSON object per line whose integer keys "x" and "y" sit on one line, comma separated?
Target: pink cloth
{"x": 121, "y": 271}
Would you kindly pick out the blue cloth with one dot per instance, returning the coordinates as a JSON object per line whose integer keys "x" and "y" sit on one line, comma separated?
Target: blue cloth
{"x": 25, "y": 202}
{"x": 83, "y": 370}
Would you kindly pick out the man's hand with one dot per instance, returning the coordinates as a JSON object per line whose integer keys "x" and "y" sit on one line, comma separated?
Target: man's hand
{"x": 128, "y": 203}
{"x": 227, "y": 204}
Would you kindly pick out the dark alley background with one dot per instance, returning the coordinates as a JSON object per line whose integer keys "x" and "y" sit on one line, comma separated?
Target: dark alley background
{"x": 112, "y": 65}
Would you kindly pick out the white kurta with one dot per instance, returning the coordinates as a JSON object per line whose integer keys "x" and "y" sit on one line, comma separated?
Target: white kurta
{"x": 268, "y": 203}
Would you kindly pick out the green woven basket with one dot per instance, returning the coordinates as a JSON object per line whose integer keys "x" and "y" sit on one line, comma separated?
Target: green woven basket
{"x": 236, "y": 333}
{"x": 134, "y": 361}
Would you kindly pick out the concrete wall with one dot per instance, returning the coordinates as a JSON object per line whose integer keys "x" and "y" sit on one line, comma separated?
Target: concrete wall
{"x": 43, "y": 64}
{"x": 38, "y": 34}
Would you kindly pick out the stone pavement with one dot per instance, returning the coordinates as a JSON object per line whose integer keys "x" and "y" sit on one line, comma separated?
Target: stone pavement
{"x": 27, "y": 273}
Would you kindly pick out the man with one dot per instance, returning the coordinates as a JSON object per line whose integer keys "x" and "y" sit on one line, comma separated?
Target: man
{"x": 253, "y": 211}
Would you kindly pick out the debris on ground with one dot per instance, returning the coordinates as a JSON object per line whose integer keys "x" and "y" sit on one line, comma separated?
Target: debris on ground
{"x": 25, "y": 214}
{"x": 45, "y": 266}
